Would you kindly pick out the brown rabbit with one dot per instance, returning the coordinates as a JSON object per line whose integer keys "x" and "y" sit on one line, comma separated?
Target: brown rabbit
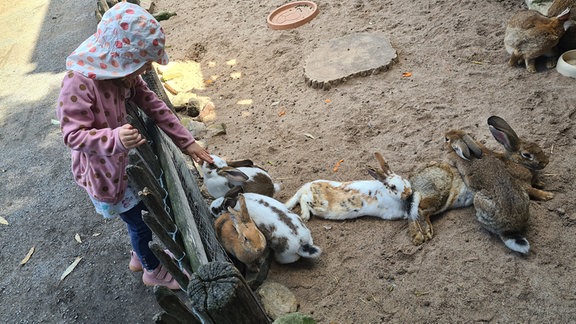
{"x": 240, "y": 236}
{"x": 501, "y": 204}
{"x": 529, "y": 35}
{"x": 568, "y": 41}
{"x": 440, "y": 186}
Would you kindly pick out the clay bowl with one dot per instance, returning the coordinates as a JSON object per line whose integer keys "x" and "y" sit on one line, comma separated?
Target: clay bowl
{"x": 292, "y": 15}
{"x": 566, "y": 64}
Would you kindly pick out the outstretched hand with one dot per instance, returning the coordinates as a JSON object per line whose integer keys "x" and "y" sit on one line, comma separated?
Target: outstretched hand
{"x": 198, "y": 153}
{"x": 130, "y": 136}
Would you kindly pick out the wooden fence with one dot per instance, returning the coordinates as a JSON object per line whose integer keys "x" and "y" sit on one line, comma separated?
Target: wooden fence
{"x": 216, "y": 291}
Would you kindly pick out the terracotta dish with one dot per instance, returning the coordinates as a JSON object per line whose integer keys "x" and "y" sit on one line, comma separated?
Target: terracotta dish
{"x": 292, "y": 15}
{"x": 566, "y": 64}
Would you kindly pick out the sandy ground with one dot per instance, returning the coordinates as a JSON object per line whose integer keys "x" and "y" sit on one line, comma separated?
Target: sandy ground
{"x": 369, "y": 272}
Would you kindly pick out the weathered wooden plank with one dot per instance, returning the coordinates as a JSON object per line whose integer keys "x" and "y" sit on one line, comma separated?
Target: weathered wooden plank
{"x": 167, "y": 240}
{"x": 219, "y": 290}
{"x": 178, "y": 312}
{"x": 168, "y": 262}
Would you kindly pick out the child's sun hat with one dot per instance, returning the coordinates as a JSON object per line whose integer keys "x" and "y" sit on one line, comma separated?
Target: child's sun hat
{"x": 127, "y": 37}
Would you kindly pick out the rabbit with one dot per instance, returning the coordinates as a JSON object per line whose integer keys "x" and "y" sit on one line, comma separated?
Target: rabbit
{"x": 285, "y": 233}
{"x": 529, "y": 35}
{"x": 568, "y": 41}
{"x": 240, "y": 236}
{"x": 441, "y": 188}
{"x": 389, "y": 197}
{"x": 221, "y": 176}
{"x": 501, "y": 204}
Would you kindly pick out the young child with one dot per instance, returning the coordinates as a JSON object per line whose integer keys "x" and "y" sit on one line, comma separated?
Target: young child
{"x": 103, "y": 73}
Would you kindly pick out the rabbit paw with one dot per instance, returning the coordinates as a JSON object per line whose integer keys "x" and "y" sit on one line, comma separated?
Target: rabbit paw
{"x": 540, "y": 195}
{"x": 420, "y": 231}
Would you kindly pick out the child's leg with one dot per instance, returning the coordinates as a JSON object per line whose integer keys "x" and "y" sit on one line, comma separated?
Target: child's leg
{"x": 140, "y": 235}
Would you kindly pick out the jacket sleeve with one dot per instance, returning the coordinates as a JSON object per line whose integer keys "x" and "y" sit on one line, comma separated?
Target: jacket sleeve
{"x": 156, "y": 109}
{"x": 76, "y": 111}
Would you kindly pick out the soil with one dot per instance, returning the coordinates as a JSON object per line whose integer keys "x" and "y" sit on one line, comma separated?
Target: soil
{"x": 451, "y": 72}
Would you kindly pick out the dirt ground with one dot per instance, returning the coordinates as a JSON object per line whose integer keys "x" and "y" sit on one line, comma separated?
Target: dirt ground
{"x": 369, "y": 271}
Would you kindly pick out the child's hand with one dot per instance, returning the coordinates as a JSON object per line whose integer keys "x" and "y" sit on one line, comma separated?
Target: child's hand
{"x": 130, "y": 136}
{"x": 198, "y": 153}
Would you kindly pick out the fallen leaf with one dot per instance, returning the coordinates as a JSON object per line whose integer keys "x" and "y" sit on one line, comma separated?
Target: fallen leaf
{"x": 96, "y": 234}
{"x": 244, "y": 102}
{"x": 3, "y": 221}
{"x": 70, "y": 268}
{"x": 477, "y": 62}
{"x": 327, "y": 101}
{"x": 337, "y": 166}
{"x": 282, "y": 113}
{"x": 209, "y": 81}
{"x": 407, "y": 74}
{"x": 236, "y": 75}
{"x": 309, "y": 135}
{"x": 275, "y": 103}
{"x": 54, "y": 122}
{"x": 28, "y": 256}
{"x": 327, "y": 227}
{"x": 77, "y": 237}
{"x": 231, "y": 62}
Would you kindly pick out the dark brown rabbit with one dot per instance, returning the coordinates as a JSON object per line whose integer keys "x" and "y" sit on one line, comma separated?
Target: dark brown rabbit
{"x": 529, "y": 35}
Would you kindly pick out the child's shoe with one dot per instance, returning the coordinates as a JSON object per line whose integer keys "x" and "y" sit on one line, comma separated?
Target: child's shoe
{"x": 135, "y": 264}
{"x": 161, "y": 277}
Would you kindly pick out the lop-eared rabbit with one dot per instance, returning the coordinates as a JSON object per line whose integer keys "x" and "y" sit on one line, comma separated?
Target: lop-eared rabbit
{"x": 221, "y": 176}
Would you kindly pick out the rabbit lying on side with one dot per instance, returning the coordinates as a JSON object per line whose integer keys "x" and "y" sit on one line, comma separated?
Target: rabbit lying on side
{"x": 285, "y": 233}
{"x": 529, "y": 35}
{"x": 388, "y": 197}
{"x": 501, "y": 204}
{"x": 441, "y": 188}
{"x": 240, "y": 236}
{"x": 221, "y": 176}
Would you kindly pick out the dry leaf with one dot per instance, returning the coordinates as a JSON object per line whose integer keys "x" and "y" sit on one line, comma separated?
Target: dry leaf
{"x": 407, "y": 74}
{"x": 3, "y": 221}
{"x": 77, "y": 238}
{"x": 70, "y": 268}
{"x": 327, "y": 101}
{"x": 337, "y": 165}
{"x": 96, "y": 234}
{"x": 309, "y": 135}
{"x": 28, "y": 256}
{"x": 282, "y": 113}
{"x": 209, "y": 81}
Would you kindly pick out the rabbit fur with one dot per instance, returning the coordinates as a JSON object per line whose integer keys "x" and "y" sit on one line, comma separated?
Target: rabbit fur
{"x": 568, "y": 41}
{"x": 501, "y": 204}
{"x": 530, "y": 34}
{"x": 221, "y": 176}
{"x": 285, "y": 233}
{"x": 441, "y": 187}
{"x": 240, "y": 236}
{"x": 389, "y": 197}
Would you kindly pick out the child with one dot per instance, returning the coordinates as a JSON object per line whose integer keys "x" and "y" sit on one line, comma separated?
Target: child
{"x": 104, "y": 72}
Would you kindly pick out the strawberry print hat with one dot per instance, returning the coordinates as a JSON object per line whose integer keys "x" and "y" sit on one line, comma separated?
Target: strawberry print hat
{"x": 127, "y": 37}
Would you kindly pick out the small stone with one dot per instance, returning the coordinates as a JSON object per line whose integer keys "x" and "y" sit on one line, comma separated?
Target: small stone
{"x": 208, "y": 113}
{"x": 277, "y": 299}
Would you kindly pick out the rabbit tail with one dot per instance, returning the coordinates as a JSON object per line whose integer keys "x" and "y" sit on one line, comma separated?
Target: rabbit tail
{"x": 516, "y": 242}
{"x": 309, "y": 251}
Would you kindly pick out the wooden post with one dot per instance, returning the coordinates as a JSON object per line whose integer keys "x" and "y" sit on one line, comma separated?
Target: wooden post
{"x": 168, "y": 262}
{"x": 219, "y": 290}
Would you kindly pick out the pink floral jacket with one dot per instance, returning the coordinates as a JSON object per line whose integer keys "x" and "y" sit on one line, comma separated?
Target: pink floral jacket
{"x": 90, "y": 113}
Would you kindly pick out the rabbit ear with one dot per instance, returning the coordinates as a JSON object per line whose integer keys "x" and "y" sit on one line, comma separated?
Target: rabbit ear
{"x": 564, "y": 15}
{"x": 235, "y": 222}
{"x": 243, "y": 215}
{"x": 235, "y": 176}
{"x": 241, "y": 163}
{"x": 376, "y": 174}
{"x": 461, "y": 149}
{"x": 234, "y": 192}
{"x": 473, "y": 147}
{"x": 503, "y": 133}
{"x": 383, "y": 163}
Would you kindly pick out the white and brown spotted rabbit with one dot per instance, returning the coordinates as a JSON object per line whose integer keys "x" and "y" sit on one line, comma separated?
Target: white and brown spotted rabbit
{"x": 286, "y": 234}
{"x": 441, "y": 187}
{"x": 240, "y": 237}
{"x": 529, "y": 35}
{"x": 501, "y": 204}
{"x": 388, "y": 197}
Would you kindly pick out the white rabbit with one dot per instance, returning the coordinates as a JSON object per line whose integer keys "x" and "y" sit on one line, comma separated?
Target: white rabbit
{"x": 285, "y": 233}
{"x": 389, "y": 197}
{"x": 221, "y": 176}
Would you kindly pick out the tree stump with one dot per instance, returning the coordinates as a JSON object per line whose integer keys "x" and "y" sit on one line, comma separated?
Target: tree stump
{"x": 359, "y": 54}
